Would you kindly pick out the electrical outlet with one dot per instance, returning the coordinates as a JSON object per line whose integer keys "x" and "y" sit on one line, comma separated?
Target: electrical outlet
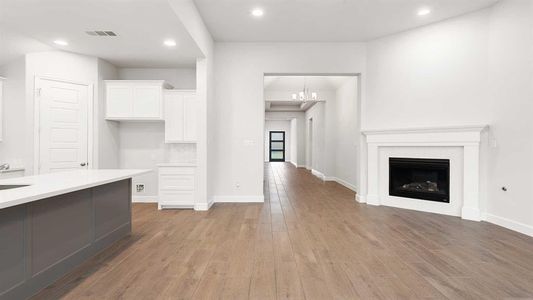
{"x": 140, "y": 188}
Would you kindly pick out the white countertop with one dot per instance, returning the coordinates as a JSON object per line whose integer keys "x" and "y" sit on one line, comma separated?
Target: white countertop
{"x": 53, "y": 184}
{"x": 177, "y": 164}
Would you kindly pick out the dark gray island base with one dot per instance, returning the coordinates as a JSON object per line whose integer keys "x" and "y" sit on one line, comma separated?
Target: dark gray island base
{"x": 43, "y": 240}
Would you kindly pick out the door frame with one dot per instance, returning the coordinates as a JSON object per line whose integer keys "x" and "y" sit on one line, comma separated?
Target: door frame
{"x": 270, "y": 146}
{"x": 37, "y": 119}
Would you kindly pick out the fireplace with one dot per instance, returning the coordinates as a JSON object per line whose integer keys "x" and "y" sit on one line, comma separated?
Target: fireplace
{"x": 426, "y": 179}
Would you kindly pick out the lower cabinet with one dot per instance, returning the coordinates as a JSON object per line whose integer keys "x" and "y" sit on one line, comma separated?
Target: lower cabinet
{"x": 177, "y": 183}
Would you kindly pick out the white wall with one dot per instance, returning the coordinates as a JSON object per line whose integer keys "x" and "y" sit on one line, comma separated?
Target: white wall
{"x": 142, "y": 147}
{"x": 298, "y": 133}
{"x": 346, "y": 133}
{"x": 108, "y": 139}
{"x": 293, "y": 154}
{"x": 239, "y": 70}
{"x": 510, "y": 100}
{"x": 473, "y": 69}
{"x": 275, "y": 125}
{"x": 180, "y": 78}
{"x": 316, "y": 152}
{"x": 13, "y": 144}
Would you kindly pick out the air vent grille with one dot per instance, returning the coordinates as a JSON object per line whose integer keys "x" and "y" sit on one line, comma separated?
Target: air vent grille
{"x": 101, "y": 33}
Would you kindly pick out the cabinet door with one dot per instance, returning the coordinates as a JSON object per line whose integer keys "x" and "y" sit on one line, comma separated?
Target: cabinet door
{"x": 173, "y": 117}
{"x": 147, "y": 102}
{"x": 190, "y": 117}
{"x": 119, "y": 101}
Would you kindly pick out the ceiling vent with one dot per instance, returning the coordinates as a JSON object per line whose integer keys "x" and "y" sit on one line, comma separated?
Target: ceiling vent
{"x": 101, "y": 33}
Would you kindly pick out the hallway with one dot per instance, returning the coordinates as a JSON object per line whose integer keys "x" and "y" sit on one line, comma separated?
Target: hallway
{"x": 309, "y": 240}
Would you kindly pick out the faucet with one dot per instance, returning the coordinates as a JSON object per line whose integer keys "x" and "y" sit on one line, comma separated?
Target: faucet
{"x": 4, "y": 166}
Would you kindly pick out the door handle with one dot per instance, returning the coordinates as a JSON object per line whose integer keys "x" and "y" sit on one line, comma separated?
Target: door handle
{"x": 83, "y": 164}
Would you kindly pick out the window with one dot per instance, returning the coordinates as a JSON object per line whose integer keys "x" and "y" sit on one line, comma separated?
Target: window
{"x": 277, "y": 146}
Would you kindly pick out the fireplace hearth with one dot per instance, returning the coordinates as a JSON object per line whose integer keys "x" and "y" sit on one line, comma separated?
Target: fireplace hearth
{"x": 417, "y": 178}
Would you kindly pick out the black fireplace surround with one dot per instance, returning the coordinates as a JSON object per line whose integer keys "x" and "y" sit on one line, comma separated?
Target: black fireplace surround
{"x": 426, "y": 179}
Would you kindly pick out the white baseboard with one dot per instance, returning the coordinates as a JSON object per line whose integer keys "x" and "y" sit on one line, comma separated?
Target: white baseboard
{"x": 239, "y": 199}
{"x": 294, "y": 164}
{"x": 360, "y": 198}
{"x": 318, "y": 174}
{"x": 144, "y": 199}
{"x": 471, "y": 214}
{"x": 341, "y": 182}
{"x": 510, "y": 224}
{"x": 373, "y": 200}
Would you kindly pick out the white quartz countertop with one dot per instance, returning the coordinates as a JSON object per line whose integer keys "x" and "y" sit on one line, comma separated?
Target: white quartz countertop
{"x": 53, "y": 184}
{"x": 177, "y": 164}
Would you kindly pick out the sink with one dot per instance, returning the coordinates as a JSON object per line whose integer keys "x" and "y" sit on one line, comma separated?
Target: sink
{"x": 11, "y": 186}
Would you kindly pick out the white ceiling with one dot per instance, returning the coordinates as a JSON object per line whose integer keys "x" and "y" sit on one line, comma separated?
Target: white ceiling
{"x": 296, "y": 83}
{"x": 13, "y": 45}
{"x": 324, "y": 20}
{"x": 141, "y": 27}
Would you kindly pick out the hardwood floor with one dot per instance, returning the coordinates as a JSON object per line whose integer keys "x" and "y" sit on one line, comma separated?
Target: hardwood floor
{"x": 309, "y": 240}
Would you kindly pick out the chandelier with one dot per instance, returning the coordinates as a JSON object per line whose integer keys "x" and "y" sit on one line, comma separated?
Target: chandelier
{"x": 305, "y": 94}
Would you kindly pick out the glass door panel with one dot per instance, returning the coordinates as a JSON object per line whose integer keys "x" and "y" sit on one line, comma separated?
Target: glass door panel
{"x": 277, "y": 146}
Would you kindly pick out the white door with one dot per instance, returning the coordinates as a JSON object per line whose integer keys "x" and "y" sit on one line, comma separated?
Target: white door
{"x": 63, "y": 123}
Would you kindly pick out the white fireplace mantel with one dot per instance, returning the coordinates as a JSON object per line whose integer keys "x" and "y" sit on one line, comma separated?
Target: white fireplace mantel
{"x": 468, "y": 138}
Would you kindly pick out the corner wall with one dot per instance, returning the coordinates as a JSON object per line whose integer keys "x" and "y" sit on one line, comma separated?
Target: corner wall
{"x": 108, "y": 139}
{"x": 473, "y": 69}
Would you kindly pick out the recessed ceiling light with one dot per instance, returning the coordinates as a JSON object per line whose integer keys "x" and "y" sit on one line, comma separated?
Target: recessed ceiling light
{"x": 169, "y": 43}
{"x": 61, "y": 42}
{"x": 257, "y": 12}
{"x": 423, "y": 11}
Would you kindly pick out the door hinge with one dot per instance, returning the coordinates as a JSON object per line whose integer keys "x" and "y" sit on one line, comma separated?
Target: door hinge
{"x": 38, "y": 91}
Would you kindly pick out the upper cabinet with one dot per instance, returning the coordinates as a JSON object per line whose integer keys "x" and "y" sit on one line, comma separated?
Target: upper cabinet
{"x": 1, "y": 106}
{"x": 135, "y": 100}
{"x": 180, "y": 116}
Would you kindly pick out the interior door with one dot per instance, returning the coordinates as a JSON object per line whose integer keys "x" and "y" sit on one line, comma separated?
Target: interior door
{"x": 63, "y": 125}
{"x": 277, "y": 146}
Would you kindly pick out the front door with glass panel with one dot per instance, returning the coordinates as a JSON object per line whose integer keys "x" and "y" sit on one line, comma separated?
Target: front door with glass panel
{"x": 277, "y": 146}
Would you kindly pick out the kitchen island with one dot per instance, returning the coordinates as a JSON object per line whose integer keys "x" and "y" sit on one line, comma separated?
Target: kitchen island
{"x": 51, "y": 223}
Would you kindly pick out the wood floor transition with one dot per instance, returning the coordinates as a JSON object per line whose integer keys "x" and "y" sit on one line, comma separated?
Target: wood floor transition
{"x": 309, "y": 240}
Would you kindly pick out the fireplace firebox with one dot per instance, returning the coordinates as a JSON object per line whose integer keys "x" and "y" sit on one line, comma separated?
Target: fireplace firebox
{"x": 417, "y": 178}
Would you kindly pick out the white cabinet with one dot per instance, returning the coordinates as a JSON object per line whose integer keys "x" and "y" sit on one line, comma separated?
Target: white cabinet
{"x": 135, "y": 100}
{"x": 177, "y": 183}
{"x": 181, "y": 116}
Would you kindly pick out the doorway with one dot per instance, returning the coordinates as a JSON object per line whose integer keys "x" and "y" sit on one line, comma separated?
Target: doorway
{"x": 277, "y": 146}
{"x": 62, "y": 126}
{"x": 328, "y": 107}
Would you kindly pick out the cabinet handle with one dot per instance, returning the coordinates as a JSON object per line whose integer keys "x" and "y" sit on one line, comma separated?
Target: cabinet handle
{"x": 83, "y": 164}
